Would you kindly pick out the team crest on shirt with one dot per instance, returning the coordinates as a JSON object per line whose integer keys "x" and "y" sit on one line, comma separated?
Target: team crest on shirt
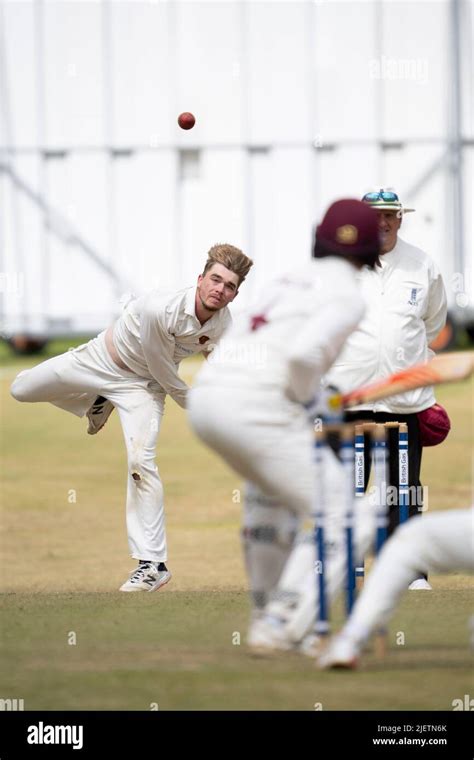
{"x": 413, "y": 295}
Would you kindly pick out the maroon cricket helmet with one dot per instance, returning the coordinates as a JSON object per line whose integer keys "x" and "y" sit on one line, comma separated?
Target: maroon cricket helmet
{"x": 349, "y": 228}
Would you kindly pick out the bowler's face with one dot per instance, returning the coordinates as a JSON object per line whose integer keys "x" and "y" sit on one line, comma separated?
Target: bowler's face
{"x": 389, "y": 224}
{"x": 217, "y": 287}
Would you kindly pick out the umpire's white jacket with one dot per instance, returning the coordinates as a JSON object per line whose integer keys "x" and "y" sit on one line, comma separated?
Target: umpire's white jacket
{"x": 405, "y": 310}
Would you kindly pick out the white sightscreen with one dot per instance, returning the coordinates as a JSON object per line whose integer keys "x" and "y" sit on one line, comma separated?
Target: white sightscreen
{"x": 297, "y": 104}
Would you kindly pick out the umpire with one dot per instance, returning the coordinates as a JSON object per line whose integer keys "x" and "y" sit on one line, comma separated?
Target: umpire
{"x": 406, "y": 309}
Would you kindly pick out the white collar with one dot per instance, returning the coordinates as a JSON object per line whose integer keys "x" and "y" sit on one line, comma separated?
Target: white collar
{"x": 391, "y": 256}
{"x": 190, "y": 302}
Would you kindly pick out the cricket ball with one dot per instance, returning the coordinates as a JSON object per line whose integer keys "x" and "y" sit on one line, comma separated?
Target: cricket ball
{"x": 186, "y": 120}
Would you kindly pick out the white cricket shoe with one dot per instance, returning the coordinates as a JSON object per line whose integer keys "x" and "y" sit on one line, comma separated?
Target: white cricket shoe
{"x": 421, "y": 584}
{"x": 311, "y": 645}
{"x": 98, "y": 414}
{"x": 341, "y": 652}
{"x": 149, "y": 576}
{"x": 266, "y": 638}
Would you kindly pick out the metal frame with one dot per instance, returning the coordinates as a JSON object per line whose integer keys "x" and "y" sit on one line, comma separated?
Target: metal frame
{"x": 55, "y": 223}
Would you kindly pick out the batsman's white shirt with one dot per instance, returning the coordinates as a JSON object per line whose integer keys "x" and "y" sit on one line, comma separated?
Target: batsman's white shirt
{"x": 292, "y": 334}
{"x": 244, "y": 402}
{"x": 406, "y": 309}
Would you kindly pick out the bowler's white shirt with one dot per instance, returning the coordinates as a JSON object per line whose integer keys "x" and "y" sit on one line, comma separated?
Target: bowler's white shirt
{"x": 159, "y": 329}
{"x": 406, "y": 309}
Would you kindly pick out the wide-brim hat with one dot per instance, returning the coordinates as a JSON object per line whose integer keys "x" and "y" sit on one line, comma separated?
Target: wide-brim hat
{"x": 381, "y": 204}
{"x": 384, "y": 206}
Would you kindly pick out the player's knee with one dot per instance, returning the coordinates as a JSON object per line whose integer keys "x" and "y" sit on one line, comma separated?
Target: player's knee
{"x": 266, "y": 521}
{"x": 141, "y": 465}
{"x": 19, "y": 389}
{"x": 407, "y": 538}
{"x": 411, "y": 530}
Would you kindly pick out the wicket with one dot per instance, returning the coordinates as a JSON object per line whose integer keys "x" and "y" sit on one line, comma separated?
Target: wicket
{"x": 351, "y": 452}
{"x": 402, "y": 472}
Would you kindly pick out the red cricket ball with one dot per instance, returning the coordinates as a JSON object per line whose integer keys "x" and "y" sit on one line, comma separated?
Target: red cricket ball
{"x": 186, "y": 120}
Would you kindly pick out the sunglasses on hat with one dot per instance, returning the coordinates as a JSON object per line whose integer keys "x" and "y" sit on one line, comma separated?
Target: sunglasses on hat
{"x": 382, "y": 195}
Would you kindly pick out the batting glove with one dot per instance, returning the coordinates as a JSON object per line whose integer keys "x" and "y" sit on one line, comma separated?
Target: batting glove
{"x": 326, "y": 406}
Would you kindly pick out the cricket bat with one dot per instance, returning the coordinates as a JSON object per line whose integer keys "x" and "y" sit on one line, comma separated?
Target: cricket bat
{"x": 445, "y": 368}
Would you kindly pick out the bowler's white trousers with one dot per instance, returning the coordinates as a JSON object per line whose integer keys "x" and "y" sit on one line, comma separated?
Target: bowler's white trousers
{"x": 72, "y": 381}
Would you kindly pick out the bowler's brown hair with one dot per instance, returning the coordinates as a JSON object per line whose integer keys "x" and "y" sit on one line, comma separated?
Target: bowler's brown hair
{"x": 230, "y": 257}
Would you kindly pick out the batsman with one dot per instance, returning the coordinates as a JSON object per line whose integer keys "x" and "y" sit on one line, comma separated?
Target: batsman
{"x": 132, "y": 366}
{"x": 254, "y": 403}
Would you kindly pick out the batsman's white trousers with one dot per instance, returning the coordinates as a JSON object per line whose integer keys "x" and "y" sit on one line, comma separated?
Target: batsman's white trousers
{"x": 267, "y": 439}
{"x": 72, "y": 381}
{"x": 262, "y": 435}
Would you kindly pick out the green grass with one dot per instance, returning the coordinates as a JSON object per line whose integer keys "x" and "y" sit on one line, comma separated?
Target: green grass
{"x": 54, "y": 347}
{"x": 63, "y": 559}
{"x": 176, "y": 649}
